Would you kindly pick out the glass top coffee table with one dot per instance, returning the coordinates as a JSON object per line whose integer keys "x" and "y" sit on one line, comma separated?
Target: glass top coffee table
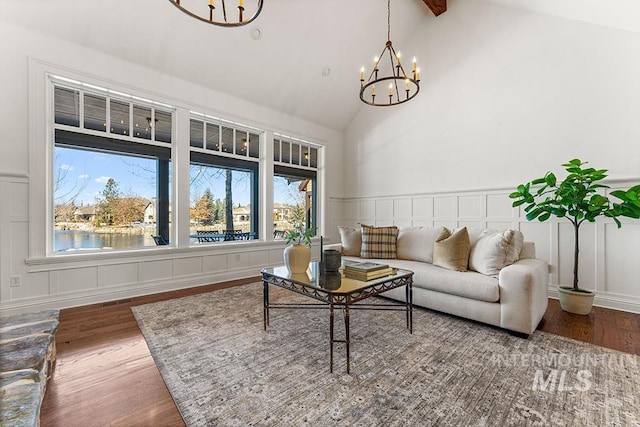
{"x": 333, "y": 290}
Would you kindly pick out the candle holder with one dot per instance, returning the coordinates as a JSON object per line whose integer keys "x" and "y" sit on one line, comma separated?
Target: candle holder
{"x": 332, "y": 260}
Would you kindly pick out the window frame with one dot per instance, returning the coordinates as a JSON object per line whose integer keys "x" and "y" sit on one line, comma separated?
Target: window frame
{"x": 83, "y": 138}
{"x": 308, "y": 171}
{"x": 224, "y": 162}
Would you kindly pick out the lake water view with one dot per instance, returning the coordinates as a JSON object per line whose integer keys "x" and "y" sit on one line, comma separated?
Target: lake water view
{"x": 74, "y": 239}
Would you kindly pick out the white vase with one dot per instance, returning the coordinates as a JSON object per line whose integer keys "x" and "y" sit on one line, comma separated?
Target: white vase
{"x": 576, "y": 302}
{"x": 297, "y": 258}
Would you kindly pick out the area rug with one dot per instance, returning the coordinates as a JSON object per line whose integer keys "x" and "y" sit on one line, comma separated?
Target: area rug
{"x": 222, "y": 368}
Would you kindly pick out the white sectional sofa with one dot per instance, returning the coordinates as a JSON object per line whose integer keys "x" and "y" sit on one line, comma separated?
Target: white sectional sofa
{"x": 514, "y": 297}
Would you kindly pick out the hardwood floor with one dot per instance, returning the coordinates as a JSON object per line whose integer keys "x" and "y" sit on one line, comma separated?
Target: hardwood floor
{"x": 618, "y": 330}
{"x": 105, "y": 375}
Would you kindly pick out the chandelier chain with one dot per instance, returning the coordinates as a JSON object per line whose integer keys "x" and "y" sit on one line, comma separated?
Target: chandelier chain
{"x": 388, "y": 19}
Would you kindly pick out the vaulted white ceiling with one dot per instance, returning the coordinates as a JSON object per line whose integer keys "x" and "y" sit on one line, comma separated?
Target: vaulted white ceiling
{"x": 283, "y": 69}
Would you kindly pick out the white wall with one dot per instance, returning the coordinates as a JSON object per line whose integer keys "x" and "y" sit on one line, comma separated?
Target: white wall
{"x": 63, "y": 282}
{"x": 507, "y": 95}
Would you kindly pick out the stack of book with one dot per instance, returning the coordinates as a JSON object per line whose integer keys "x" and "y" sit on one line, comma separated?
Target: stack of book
{"x": 366, "y": 270}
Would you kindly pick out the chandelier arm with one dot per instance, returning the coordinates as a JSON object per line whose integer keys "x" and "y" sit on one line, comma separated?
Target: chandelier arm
{"x": 392, "y": 54}
{"x": 177, "y": 4}
{"x": 224, "y": 11}
{"x": 376, "y": 65}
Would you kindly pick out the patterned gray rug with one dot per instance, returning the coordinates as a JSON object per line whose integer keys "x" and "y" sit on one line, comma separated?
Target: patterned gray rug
{"x": 223, "y": 369}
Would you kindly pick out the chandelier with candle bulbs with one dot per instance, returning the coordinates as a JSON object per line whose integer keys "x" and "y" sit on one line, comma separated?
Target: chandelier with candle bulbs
{"x": 394, "y": 86}
{"x": 216, "y": 13}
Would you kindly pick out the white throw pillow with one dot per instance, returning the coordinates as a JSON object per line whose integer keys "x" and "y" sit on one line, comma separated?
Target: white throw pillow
{"x": 416, "y": 243}
{"x": 489, "y": 253}
{"x": 351, "y": 240}
{"x": 515, "y": 247}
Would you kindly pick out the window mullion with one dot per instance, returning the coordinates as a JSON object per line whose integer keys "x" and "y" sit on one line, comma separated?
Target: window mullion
{"x": 152, "y": 124}
{"x": 108, "y": 116}
{"x": 81, "y": 107}
{"x": 130, "y": 119}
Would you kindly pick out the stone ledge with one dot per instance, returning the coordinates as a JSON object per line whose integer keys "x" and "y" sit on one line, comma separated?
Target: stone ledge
{"x": 28, "y": 348}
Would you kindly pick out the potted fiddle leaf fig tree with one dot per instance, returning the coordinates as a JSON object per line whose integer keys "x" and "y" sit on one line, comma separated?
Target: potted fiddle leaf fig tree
{"x": 297, "y": 254}
{"x": 578, "y": 197}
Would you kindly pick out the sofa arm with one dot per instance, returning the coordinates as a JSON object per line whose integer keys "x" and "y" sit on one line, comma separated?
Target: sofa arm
{"x": 334, "y": 246}
{"x": 523, "y": 294}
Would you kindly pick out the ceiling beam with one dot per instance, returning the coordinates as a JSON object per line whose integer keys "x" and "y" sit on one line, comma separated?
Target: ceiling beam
{"x": 436, "y": 6}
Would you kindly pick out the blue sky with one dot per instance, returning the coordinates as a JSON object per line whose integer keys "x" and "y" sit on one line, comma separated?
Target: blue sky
{"x": 84, "y": 174}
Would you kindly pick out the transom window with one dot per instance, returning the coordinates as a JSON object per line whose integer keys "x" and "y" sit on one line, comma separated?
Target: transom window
{"x": 295, "y": 153}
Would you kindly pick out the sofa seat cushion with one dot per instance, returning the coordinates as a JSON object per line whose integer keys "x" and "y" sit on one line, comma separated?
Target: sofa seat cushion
{"x": 468, "y": 284}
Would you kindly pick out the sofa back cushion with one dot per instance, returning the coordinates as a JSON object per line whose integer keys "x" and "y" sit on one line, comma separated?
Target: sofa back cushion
{"x": 453, "y": 252}
{"x": 378, "y": 242}
{"x": 495, "y": 249}
{"x": 351, "y": 240}
{"x": 416, "y": 243}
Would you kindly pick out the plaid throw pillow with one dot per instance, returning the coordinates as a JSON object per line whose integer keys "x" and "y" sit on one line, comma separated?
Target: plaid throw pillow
{"x": 378, "y": 242}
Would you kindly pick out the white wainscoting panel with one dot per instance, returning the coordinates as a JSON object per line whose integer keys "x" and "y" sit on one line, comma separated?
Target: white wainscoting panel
{"x": 213, "y": 263}
{"x": 422, "y": 209}
{"x": 117, "y": 275}
{"x": 402, "y": 208}
{"x": 238, "y": 260}
{"x": 19, "y": 199}
{"x": 276, "y": 256}
{"x": 367, "y": 210}
{"x": 444, "y": 208}
{"x": 471, "y": 206}
{"x": 77, "y": 279}
{"x": 187, "y": 266}
{"x": 155, "y": 270}
{"x": 622, "y": 259}
{"x": 498, "y": 207}
{"x": 384, "y": 209}
{"x": 33, "y": 285}
{"x": 258, "y": 258}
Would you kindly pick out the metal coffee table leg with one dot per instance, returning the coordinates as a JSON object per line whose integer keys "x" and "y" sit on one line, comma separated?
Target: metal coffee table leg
{"x": 346, "y": 332}
{"x": 265, "y": 302}
{"x": 331, "y": 338}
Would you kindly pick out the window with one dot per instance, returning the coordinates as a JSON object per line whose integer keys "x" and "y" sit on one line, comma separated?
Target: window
{"x": 223, "y": 181}
{"x": 111, "y": 169}
{"x": 294, "y": 185}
